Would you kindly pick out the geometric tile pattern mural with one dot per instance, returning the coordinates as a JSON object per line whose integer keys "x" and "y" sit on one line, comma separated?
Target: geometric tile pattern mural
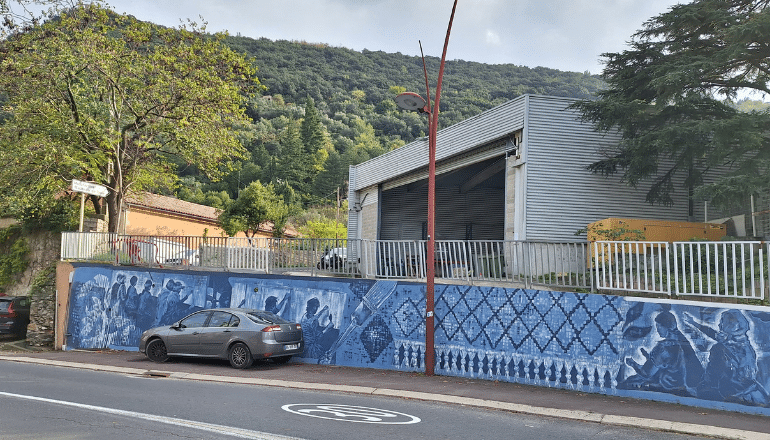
{"x": 693, "y": 354}
{"x": 547, "y": 321}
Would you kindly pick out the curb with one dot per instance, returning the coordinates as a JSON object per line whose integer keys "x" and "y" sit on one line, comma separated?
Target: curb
{"x": 604, "y": 419}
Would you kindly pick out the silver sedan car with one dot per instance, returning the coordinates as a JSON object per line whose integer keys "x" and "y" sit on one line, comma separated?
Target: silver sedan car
{"x": 238, "y": 335}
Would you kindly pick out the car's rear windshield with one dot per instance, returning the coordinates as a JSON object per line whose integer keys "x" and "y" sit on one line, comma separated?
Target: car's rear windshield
{"x": 4, "y": 303}
{"x": 263, "y": 317}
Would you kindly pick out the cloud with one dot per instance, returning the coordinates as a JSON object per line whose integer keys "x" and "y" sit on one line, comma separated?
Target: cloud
{"x": 565, "y": 35}
{"x": 493, "y": 38}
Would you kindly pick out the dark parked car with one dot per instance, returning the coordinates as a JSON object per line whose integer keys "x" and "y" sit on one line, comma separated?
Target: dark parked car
{"x": 190, "y": 257}
{"x": 333, "y": 258}
{"x": 14, "y": 316}
{"x": 238, "y": 335}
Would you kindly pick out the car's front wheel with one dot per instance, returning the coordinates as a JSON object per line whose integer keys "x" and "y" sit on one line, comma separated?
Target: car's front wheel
{"x": 156, "y": 351}
{"x": 240, "y": 356}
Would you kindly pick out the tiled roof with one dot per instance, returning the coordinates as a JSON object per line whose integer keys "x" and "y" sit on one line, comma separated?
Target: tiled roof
{"x": 157, "y": 202}
{"x": 172, "y": 204}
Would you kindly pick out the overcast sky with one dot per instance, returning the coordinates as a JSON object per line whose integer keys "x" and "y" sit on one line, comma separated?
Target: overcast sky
{"x": 567, "y": 35}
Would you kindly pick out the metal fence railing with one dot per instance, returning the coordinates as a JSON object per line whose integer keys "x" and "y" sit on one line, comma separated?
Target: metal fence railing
{"x": 721, "y": 269}
{"x": 526, "y": 263}
{"x": 554, "y": 264}
{"x": 631, "y": 266}
{"x": 734, "y": 269}
{"x": 713, "y": 269}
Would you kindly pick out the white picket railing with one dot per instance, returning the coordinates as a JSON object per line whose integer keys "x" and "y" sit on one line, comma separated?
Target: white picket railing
{"x": 721, "y": 269}
{"x": 712, "y": 269}
{"x": 631, "y": 266}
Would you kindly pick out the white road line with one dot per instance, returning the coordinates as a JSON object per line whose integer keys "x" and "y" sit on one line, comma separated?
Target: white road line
{"x": 217, "y": 429}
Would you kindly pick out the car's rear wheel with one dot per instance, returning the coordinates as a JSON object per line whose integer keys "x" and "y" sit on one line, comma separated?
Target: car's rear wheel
{"x": 240, "y": 356}
{"x": 281, "y": 359}
{"x": 156, "y": 351}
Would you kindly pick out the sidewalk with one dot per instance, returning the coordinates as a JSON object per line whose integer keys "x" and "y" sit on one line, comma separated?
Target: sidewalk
{"x": 480, "y": 393}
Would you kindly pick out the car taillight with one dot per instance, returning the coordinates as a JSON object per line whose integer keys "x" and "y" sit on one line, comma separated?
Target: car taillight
{"x": 272, "y": 328}
{"x": 299, "y": 327}
{"x": 11, "y": 313}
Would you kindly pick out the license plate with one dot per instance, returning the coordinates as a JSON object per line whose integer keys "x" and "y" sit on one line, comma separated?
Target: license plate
{"x": 291, "y": 347}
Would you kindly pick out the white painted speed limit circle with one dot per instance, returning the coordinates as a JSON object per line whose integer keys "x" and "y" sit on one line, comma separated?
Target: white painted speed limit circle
{"x": 350, "y": 413}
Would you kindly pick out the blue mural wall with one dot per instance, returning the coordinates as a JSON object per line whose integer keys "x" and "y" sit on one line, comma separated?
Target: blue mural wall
{"x": 684, "y": 352}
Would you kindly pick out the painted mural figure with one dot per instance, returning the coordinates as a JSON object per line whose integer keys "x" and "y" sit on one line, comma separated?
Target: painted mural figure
{"x": 671, "y": 366}
{"x": 148, "y": 303}
{"x": 318, "y": 338}
{"x": 113, "y": 297}
{"x": 731, "y": 373}
{"x": 170, "y": 304}
{"x": 119, "y": 327}
{"x": 278, "y": 308}
{"x": 93, "y": 329}
{"x": 132, "y": 301}
{"x": 214, "y": 300}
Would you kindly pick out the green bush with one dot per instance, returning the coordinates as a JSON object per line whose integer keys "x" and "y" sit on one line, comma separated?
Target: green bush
{"x": 14, "y": 260}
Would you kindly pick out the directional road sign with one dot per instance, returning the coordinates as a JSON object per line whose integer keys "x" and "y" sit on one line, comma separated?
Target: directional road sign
{"x": 89, "y": 188}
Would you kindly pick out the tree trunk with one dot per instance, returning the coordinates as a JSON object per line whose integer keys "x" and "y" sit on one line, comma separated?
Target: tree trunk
{"x": 114, "y": 204}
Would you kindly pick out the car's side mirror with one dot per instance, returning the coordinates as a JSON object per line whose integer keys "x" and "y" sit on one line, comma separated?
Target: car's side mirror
{"x": 177, "y": 326}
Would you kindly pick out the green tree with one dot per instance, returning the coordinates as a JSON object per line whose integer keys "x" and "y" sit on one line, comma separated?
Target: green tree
{"x": 294, "y": 164}
{"x": 18, "y": 16}
{"x": 366, "y": 144}
{"x": 105, "y": 98}
{"x": 324, "y": 228}
{"x": 663, "y": 98}
{"x": 256, "y": 206}
{"x": 312, "y": 131}
{"x": 334, "y": 175}
{"x": 315, "y": 139}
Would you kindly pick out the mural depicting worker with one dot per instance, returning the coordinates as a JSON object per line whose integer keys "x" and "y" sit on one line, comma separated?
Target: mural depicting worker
{"x": 731, "y": 372}
{"x": 278, "y": 308}
{"x": 318, "y": 329}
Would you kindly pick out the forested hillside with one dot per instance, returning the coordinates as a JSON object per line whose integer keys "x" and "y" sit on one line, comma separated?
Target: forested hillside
{"x": 324, "y": 108}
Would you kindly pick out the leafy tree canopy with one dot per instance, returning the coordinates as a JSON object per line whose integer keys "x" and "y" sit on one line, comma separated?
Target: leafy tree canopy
{"x": 670, "y": 96}
{"x": 105, "y": 98}
{"x": 324, "y": 108}
{"x": 324, "y": 228}
{"x": 256, "y": 206}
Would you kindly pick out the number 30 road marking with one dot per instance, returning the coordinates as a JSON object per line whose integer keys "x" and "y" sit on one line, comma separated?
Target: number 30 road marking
{"x": 349, "y": 413}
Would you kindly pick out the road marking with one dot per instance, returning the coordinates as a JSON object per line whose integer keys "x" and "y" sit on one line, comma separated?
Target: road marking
{"x": 349, "y": 413}
{"x": 217, "y": 429}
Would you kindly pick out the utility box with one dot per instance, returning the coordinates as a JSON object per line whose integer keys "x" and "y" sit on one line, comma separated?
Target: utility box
{"x": 624, "y": 229}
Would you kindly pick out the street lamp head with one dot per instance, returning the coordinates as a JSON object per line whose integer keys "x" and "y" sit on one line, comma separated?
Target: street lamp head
{"x": 411, "y": 101}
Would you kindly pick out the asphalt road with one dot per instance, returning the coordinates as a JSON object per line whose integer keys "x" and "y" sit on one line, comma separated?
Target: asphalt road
{"x": 48, "y": 402}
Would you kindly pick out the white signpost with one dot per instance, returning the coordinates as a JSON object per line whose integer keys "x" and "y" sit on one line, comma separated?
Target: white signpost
{"x": 87, "y": 188}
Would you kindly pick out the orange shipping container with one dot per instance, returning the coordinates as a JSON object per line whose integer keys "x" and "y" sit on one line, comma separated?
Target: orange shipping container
{"x": 611, "y": 229}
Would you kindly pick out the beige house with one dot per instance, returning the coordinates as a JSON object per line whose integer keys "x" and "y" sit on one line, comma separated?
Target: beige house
{"x": 156, "y": 215}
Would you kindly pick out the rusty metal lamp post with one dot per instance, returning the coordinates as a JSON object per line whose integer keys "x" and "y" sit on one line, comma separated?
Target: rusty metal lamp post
{"x": 413, "y": 101}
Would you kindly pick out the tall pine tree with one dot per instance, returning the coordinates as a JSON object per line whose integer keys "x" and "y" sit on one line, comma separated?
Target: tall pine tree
{"x": 669, "y": 95}
{"x": 294, "y": 165}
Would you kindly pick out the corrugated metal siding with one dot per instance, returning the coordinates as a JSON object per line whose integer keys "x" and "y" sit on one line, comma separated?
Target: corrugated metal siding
{"x": 353, "y": 215}
{"x": 471, "y": 133}
{"x": 561, "y": 195}
{"x": 494, "y": 149}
